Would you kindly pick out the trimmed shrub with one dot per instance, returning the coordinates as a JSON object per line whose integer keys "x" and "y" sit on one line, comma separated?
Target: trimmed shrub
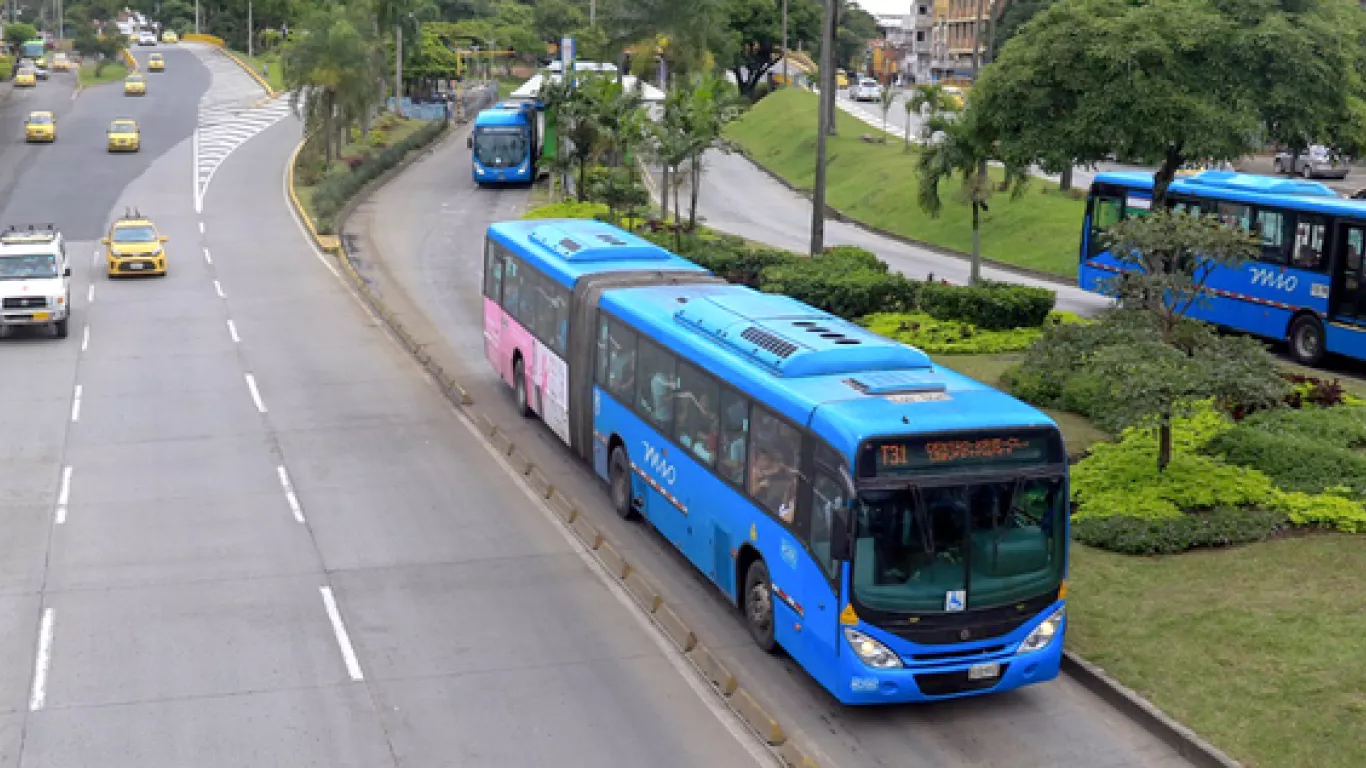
{"x": 843, "y": 284}
{"x": 337, "y": 188}
{"x": 568, "y": 209}
{"x": 990, "y": 305}
{"x": 953, "y": 337}
{"x": 1311, "y": 450}
{"x": 1218, "y": 528}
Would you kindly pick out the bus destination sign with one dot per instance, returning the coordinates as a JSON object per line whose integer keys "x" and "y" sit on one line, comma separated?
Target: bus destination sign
{"x": 931, "y": 454}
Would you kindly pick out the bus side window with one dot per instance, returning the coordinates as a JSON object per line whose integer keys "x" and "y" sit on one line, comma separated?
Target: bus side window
{"x": 774, "y": 451}
{"x": 1309, "y": 245}
{"x": 697, "y": 426}
{"x": 1236, "y": 215}
{"x": 656, "y": 386}
{"x": 560, "y": 333}
{"x": 828, "y": 510}
{"x": 512, "y": 288}
{"x": 493, "y": 272}
{"x": 621, "y": 373}
{"x": 734, "y": 436}
{"x": 604, "y": 347}
{"x": 1272, "y": 226}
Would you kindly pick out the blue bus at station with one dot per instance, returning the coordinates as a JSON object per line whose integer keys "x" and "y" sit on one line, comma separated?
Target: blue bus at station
{"x": 1306, "y": 287}
{"x": 899, "y": 529}
{"x": 506, "y": 144}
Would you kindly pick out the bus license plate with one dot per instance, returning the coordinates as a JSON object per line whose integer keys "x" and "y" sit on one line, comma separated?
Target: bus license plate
{"x": 984, "y": 671}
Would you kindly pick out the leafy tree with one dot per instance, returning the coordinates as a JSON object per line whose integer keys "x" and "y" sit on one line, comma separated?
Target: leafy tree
{"x": 752, "y": 37}
{"x": 856, "y": 28}
{"x": 18, "y": 33}
{"x": 885, "y": 102}
{"x": 101, "y": 50}
{"x": 927, "y": 100}
{"x": 961, "y": 145}
{"x": 554, "y": 18}
{"x": 1172, "y": 360}
{"x": 1015, "y": 15}
{"x": 1170, "y": 81}
{"x": 333, "y": 69}
{"x": 710, "y": 103}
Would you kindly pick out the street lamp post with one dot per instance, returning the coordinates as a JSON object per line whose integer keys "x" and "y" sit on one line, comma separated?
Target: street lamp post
{"x": 196, "y": 17}
{"x": 398, "y": 69}
{"x": 786, "y": 82}
{"x": 251, "y": 31}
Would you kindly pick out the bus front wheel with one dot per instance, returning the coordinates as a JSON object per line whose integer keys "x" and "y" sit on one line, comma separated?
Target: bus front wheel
{"x": 1306, "y": 340}
{"x": 759, "y": 605}
{"x": 619, "y": 470}
{"x": 519, "y": 388}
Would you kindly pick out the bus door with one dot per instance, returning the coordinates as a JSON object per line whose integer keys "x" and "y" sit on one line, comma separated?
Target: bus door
{"x": 1347, "y": 304}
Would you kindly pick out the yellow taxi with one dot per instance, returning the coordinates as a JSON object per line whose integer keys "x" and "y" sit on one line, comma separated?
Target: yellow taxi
{"x": 41, "y": 61}
{"x": 41, "y": 125}
{"x": 61, "y": 62}
{"x": 155, "y": 63}
{"x": 26, "y": 77}
{"x": 135, "y": 247}
{"x": 124, "y": 135}
{"x": 135, "y": 85}
{"x": 841, "y": 79}
{"x": 169, "y": 37}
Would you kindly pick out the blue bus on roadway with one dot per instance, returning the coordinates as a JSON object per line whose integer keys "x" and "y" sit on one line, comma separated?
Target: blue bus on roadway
{"x": 900, "y": 530}
{"x": 506, "y": 140}
{"x": 1307, "y": 286}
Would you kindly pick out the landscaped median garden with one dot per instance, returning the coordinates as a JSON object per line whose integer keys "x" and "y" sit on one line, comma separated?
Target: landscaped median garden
{"x": 325, "y": 185}
{"x": 1225, "y": 586}
{"x": 877, "y": 184}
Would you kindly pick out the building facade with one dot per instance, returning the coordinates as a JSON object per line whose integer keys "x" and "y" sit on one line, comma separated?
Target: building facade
{"x": 957, "y": 25}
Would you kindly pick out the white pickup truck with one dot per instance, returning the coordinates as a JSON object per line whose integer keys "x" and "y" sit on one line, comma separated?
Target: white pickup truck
{"x": 35, "y": 279}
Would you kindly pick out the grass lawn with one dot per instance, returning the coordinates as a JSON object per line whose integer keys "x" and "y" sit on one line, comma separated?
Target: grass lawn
{"x": 276, "y": 75}
{"x": 876, "y": 184}
{"x": 1257, "y": 648}
{"x": 113, "y": 72}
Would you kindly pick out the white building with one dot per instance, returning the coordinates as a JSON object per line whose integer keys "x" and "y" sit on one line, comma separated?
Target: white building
{"x": 912, "y": 34}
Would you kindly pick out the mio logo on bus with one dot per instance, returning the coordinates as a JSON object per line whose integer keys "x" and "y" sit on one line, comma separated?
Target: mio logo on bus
{"x": 1274, "y": 278}
{"x": 655, "y": 458}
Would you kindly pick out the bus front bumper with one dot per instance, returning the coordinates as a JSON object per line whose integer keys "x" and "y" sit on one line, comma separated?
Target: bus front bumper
{"x": 862, "y": 685}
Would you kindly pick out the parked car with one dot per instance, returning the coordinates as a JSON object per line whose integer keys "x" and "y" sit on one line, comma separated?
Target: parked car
{"x": 1318, "y": 161}
{"x": 866, "y": 89}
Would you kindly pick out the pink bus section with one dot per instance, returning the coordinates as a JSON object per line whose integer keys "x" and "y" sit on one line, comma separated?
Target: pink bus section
{"x": 547, "y": 384}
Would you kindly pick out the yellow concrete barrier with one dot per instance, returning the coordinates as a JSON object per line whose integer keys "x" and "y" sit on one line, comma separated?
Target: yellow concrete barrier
{"x": 128, "y": 60}
{"x": 210, "y": 39}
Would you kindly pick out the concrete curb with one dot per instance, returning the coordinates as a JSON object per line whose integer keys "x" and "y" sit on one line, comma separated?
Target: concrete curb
{"x": 1186, "y": 742}
{"x": 605, "y": 551}
{"x": 844, "y": 218}
{"x": 250, "y": 70}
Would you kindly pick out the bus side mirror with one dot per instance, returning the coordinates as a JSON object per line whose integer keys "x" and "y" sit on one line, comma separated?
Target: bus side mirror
{"x": 469, "y": 142}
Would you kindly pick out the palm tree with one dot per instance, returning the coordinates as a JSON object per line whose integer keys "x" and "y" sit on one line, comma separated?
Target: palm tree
{"x": 961, "y": 146}
{"x": 885, "y": 100}
{"x": 708, "y": 104}
{"x": 332, "y": 70}
{"x": 927, "y": 100}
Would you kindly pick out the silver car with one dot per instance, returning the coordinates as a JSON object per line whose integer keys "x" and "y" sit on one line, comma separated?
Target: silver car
{"x": 1316, "y": 162}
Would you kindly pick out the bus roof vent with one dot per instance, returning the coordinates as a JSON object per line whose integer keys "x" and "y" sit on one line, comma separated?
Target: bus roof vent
{"x": 1265, "y": 185}
{"x": 581, "y": 241}
{"x": 768, "y": 341}
{"x": 895, "y": 384}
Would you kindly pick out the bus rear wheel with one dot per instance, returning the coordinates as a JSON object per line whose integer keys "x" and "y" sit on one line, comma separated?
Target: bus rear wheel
{"x": 759, "y": 606}
{"x": 619, "y": 471}
{"x": 1306, "y": 340}
{"x": 519, "y": 388}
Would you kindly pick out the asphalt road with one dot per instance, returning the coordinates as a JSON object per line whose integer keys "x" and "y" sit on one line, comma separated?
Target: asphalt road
{"x": 241, "y": 529}
{"x": 419, "y": 243}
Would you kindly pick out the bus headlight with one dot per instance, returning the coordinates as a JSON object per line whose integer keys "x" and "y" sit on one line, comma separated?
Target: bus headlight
{"x": 871, "y": 652}
{"x": 1044, "y": 633}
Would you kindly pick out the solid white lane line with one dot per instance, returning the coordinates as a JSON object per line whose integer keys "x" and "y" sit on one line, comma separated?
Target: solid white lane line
{"x": 201, "y": 227}
{"x": 76, "y": 404}
{"x": 41, "y": 663}
{"x": 85, "y": 338}
{"x": 64, "y": 494}
{"x": 209, "y": 259}
{"x": 216, "y": 286}
{"x": 90, "y": 295}
{"x": 343, "y": 639}
{"x": 255, "y": 393}
{"x": 232, "y": 331}
{"x": 290, "y": 496}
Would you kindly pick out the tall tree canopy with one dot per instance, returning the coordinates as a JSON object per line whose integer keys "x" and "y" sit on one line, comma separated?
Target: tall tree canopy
{"x": 1170, "y": 81}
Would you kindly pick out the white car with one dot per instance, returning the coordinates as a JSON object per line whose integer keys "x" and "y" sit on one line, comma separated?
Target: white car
{"x": 35, "y": 279}
{"x": 147, "y": 37}
{"x": 866, "y": 89}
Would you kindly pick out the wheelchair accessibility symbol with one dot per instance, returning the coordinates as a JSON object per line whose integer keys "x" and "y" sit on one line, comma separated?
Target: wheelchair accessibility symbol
{"x": 955, "y": 600}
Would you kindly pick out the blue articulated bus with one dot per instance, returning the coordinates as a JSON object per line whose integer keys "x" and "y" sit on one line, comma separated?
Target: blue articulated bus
{"x": 506, "y": 140}
{"x": 900, "y": 530}
{"x": 1307, "y": 285}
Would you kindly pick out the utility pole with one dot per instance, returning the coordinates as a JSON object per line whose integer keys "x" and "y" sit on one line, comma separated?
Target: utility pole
{"x": 251, "y": 30}
{"x": 786, "y": 82}
{"x": 592, "y": 13}
{"x": 398, "y": 69}
{"x": 196, "y": 17}
{"x": 975, "y": 266}
{"x": 831, "y": 124}
{"x": 827, "y": 75}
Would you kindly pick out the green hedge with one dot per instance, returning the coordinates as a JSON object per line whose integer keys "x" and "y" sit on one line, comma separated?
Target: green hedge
{"x": 1311, "y": 450}
{"x": 337, "y": 188}
{"x": 1219, "y": 528}
{"x": 990, "y": 305}
{"x": 843, "y": 283}
{"x": 953, "y": 337}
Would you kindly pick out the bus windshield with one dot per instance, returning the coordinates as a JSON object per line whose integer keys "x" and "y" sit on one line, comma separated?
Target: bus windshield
{"x": 500, "y": 147}
{"x": 959, "y": 546}
{"x": 32, "y": 49}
